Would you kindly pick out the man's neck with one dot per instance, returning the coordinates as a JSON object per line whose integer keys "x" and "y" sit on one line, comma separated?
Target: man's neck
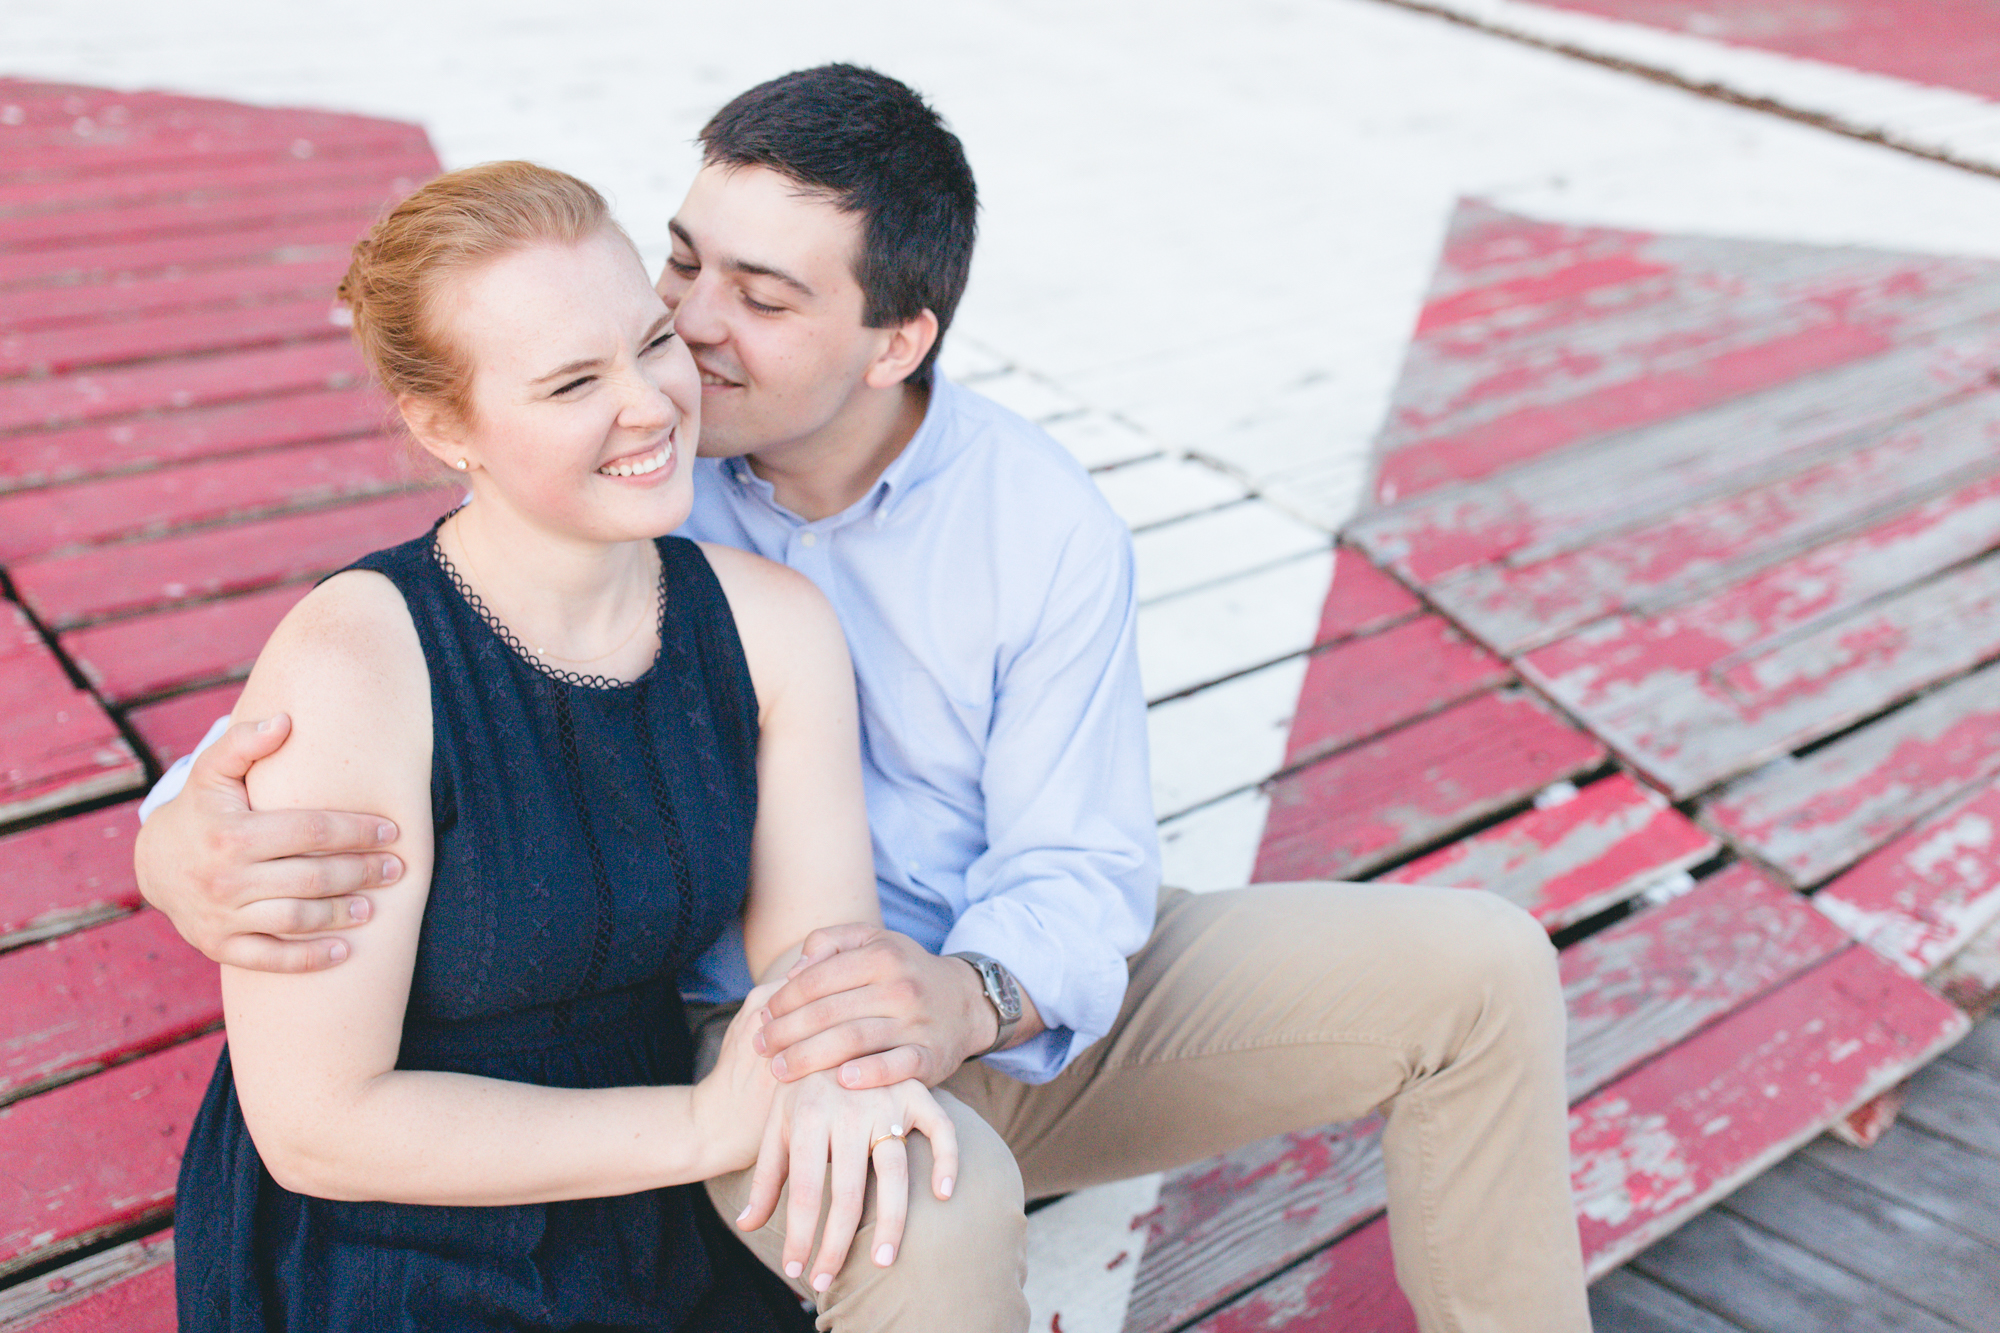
{"x": 827, "y": 472}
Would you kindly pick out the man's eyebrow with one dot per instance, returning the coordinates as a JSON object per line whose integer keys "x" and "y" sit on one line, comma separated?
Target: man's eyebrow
{"x": 755, "y": 270}
{"x": 592, "y": 362}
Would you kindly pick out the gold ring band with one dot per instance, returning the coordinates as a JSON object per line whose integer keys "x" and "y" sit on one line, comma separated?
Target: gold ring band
{"x": 880, "y": 1139}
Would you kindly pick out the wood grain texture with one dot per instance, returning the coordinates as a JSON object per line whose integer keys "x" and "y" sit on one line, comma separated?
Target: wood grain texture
{"x": 1374, "y": 683}
{"x": 99, "y": 1156}
{"x": 1361, "y": 599}
{"x": 1815, "y": 817}
{"x": 67, "y": 591}
{"x": 173, "y": 727}
{"x": 57, "y": 351}
{"x": 36, "y": 195}
{"x": 196, "y": 212}
{"x": 329, "y": 363}
{"x": 126, "y": 1289}
{"x": 30, "y": 311}
{"x": 117, "y": 261}
{"x": 1350, "y": 1286}
{"x": 1971, "y": 977}
{"x": 57, "y": 745}
{"x": 1574, "y": 859}
{"x": 148, "y": 656}
{"x": 66, "y": 874}
{"x": 1926, "y": 895}
{"x": 1357, "y": 810}
{"x": 93, "y": 997}
{"x": 1660, "y": 1144}
{"x": 1214, "y": 633}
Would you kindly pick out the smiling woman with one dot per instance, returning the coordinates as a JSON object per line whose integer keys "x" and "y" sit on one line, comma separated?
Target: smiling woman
{"x": 488, "y": 1118}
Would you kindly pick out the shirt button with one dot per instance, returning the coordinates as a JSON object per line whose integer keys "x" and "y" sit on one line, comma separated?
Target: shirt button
{"x": 809, "y": 539}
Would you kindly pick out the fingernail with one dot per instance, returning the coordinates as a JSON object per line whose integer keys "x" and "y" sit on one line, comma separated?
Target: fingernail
{"x": 794, "y": 1268}
{"x": 743, "y": 1218}
{"x": 264, "y": 724}
{"x": 778, "y": 1066}
{"x": 385, "y": 832}
{"x": 358, "y": 909}
{"x": 763, "y": 1015}
{"x": 885, "y": 1254}
{"x": 822, "y": 1282}
{"x": 944, "y": 1187}
{"x": 337, "y": 951}
{"x": 757, "y": 1040}
{"x": 392, "y": 869}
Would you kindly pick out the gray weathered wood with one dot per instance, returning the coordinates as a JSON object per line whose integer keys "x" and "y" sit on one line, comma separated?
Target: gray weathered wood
{"x": 1623, "y": 1301}
{"x": 1958, "y": 1103}
{"x": 1915, "y": 1167}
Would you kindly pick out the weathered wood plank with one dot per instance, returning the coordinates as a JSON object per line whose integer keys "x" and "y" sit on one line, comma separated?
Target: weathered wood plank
{"x": 200, "y": 211}
{"x": 1222, "y": 739}
{"x": 1920, "y": 1170}
{"x": 1624, "y": 1302}
{"x": 64, "y": 875}
{"x": 79, "y": 347}
{"x": 1901, "y": 1249}
{"x": 1375, "y": 683}
{"x": 57, "y": 746}
{"x": 1923, "y": 897}
{"x": 1096, "y": 439}
{"x": 1218, "y": 545}
{"x": 1769, "y": 1283}
{"x": 1574, "y": 859}
{"x": 1160, "y": 490}
{"x": 98, "y": 1156}
{"x": 1350, "y": 1286}
{"x": 1213, "y": 633}
{"x": 299, "y": 239}
{"x": 1664, "y": 1141}
{"x": 38, "y": 458}
{"x": 1971, "y": 978}
{"x": 1535, "y": 597}
{"x": 93, "y": 997}
{"x": 329, "y": 363}
{"x": 76, "y": 589}
{"x": 50, "y": 519}
{"x": 148, "y": 656}
{"x": 1641, "y": 475}
{"x": 1361, "y": 599}
{"x": 203, "y": 139}
{"x": 1957, "y": 1103}
{"x": 31, "y": 310}
{"x": 173, "y": 727}
{"x": 72, "y": 193}
{"x": 1357, "y": 810}
{"x": 1813, "y": 818}
{"x": 127, "y": 1289}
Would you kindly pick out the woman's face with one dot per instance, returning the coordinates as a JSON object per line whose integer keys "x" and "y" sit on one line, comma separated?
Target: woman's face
{"x": 584, "y": 406}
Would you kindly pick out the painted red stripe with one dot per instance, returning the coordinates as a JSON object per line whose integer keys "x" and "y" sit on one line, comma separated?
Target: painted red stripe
{"x": 171, "y": 141}
{"x": 1373, "y": 684}
{"x": 98, "y": 1156}
{"x": 148, "y": 656}
{"x": 59, "y": 875}
{"x": 39, "y": 458}
{"x": 197, "y": 213}
{"x": 127, "y": 1289}
{"x": 1358, "y": 809}
{"x": 1361, "y": 599}
{"x": 57, "y": 746}
{"x": 71, "y": 590}
{"x": 20, "y": 198}
{"x": 87, "y": 999}
{"x": 101, "y": 305}
{"x": 1923, "y": 897}
{"x": 57, "y": 351}
{"x": 142, "y": 1303}
{"x": 331, "y": 363}
{"x": 173, "y": 727}
{"x": 1350, "y": 1287}
{"x": 325, "y": 238}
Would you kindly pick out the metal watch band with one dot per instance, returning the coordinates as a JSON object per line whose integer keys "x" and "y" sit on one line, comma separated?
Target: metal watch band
{"x": 1002, "y": 992}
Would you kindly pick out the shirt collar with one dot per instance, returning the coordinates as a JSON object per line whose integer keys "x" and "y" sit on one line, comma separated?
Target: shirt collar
{"x": 908, "y": 468}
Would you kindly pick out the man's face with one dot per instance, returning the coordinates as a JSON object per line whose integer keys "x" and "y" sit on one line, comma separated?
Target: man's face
{"x": 761, "y": 282}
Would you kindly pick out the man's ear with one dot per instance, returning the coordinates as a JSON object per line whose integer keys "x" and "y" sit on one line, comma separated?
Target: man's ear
{"x": 907, "y": 346}
{"x": 435, "y": 428}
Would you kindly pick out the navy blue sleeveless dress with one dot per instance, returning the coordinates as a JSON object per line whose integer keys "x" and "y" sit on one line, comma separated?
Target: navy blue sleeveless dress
{"x": 592, "y": 837}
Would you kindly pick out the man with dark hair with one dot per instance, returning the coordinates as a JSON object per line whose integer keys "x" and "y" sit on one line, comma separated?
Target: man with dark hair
{"x": 1080, "y": 1023}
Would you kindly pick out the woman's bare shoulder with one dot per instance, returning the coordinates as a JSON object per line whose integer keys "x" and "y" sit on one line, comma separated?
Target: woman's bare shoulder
{"x": 349, "y": 639}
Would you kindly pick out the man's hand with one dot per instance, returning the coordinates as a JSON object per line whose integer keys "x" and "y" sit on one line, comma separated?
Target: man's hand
{"x": 235, "y": 881}
{"x": 880, "y": 1008}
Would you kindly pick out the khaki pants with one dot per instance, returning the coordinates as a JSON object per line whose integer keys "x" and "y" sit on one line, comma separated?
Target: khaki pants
{"x": 1255, "y": 1012}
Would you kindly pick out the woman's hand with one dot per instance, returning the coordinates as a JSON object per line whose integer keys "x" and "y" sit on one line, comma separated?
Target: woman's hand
{"x": 732, "y": 1104}
{"x": 815, "y": 1122}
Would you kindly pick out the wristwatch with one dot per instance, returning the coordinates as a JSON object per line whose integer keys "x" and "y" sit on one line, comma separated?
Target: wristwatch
{"x": 1002, "y": 992}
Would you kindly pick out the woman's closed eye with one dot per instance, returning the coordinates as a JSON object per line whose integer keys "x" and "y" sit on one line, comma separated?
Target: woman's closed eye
{"x": 658, "y": 344}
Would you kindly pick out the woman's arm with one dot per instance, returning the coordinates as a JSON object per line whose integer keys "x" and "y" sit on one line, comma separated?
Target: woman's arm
{"x": 315, "y": 1054}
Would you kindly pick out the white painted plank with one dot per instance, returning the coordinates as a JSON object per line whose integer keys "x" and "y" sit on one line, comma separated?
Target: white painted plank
{"x": 1219, "y": 545}
{"x": 1214, "y": 847}
{"x": 1032, "y": 396}
{"x": 1083, "y": 1252}
{"x": 1224, "y": 738}
{"x": 1159, "y": 490}
{"x": 1099, "y": 440}
{"x": 1205, "y": 635}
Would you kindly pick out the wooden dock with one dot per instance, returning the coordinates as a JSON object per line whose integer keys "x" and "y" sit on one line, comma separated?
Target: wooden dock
{"x": 1672, "y": 619}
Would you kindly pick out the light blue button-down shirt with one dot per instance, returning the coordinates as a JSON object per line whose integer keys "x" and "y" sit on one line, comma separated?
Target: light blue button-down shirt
{"x": 987, "y": 593}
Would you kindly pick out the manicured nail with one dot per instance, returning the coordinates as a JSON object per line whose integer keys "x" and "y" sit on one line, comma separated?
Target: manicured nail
{"x": 885, "y": 1254}
{"x": 337, "y": 951}
{"x": 358, "y": 909}
{"x": 392, "y": 869}
{"x": 264, "y": 724}
{"x": 794, "y": 1268}
{"x": 743, "y": 1218}
{"x": 778, "y": 1066}
{"x": 385, "y": 832}
{"x": 757, "y": 1040}
{"x": 822, "y": 1282}
{"x": 944, "y": 1186}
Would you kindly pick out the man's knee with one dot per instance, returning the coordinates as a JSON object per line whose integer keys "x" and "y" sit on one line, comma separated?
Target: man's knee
{"x": 1498, "y": 959}
{"x": 976, "y": 1239}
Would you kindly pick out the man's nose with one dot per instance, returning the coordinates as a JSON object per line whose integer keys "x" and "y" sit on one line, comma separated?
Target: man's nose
{"x": 698, "y": 317}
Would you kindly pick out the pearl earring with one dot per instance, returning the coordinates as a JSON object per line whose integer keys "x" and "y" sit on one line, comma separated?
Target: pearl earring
{"x": 460, "y": 465}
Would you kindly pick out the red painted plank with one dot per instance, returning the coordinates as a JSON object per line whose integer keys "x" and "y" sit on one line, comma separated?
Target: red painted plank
{"x": 126, "y": 1289}
{"x": 1924, "y": 897}
{"x": 1355, "y": 811}
{"x": 97, "y": 1156}
{"x": 1361, "y": 599}
{"x": 1372, "y": 684}
{"x": 190, "y": 215}
{"x": 148, "y": 656}
{"x": 54, "y": 351}
{"x": 29, "y": 310}
{"x": 1531, "y": 598}
{"x": 19, "y": 198}
{"x": 249, "y": 134}
{"x": 173, "y": 727}
{"x": 1572, "y": 860}
{"x": 1545, "y": 507}
{"x": 60, "y": 876}
{"x": 1349, "y": 1287}
{"x": 103, "y": 581}
{"x": 1813, "y": 818}
{"x": 59, "y": 517}
{"x": 39, "y": 458}
{"x": 300, "y": 239}
{"x": 1663, "y": 1142}
{"x": 87, "y": 999}
{"x": 331, "y": 363}
{"x": 57, "y": 746}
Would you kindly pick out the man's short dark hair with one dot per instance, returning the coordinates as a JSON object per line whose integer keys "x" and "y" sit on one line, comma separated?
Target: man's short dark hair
{"x": 874, "y": 147}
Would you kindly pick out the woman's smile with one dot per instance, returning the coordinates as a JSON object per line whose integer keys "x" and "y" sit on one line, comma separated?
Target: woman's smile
{"x": 644, "y": 464}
